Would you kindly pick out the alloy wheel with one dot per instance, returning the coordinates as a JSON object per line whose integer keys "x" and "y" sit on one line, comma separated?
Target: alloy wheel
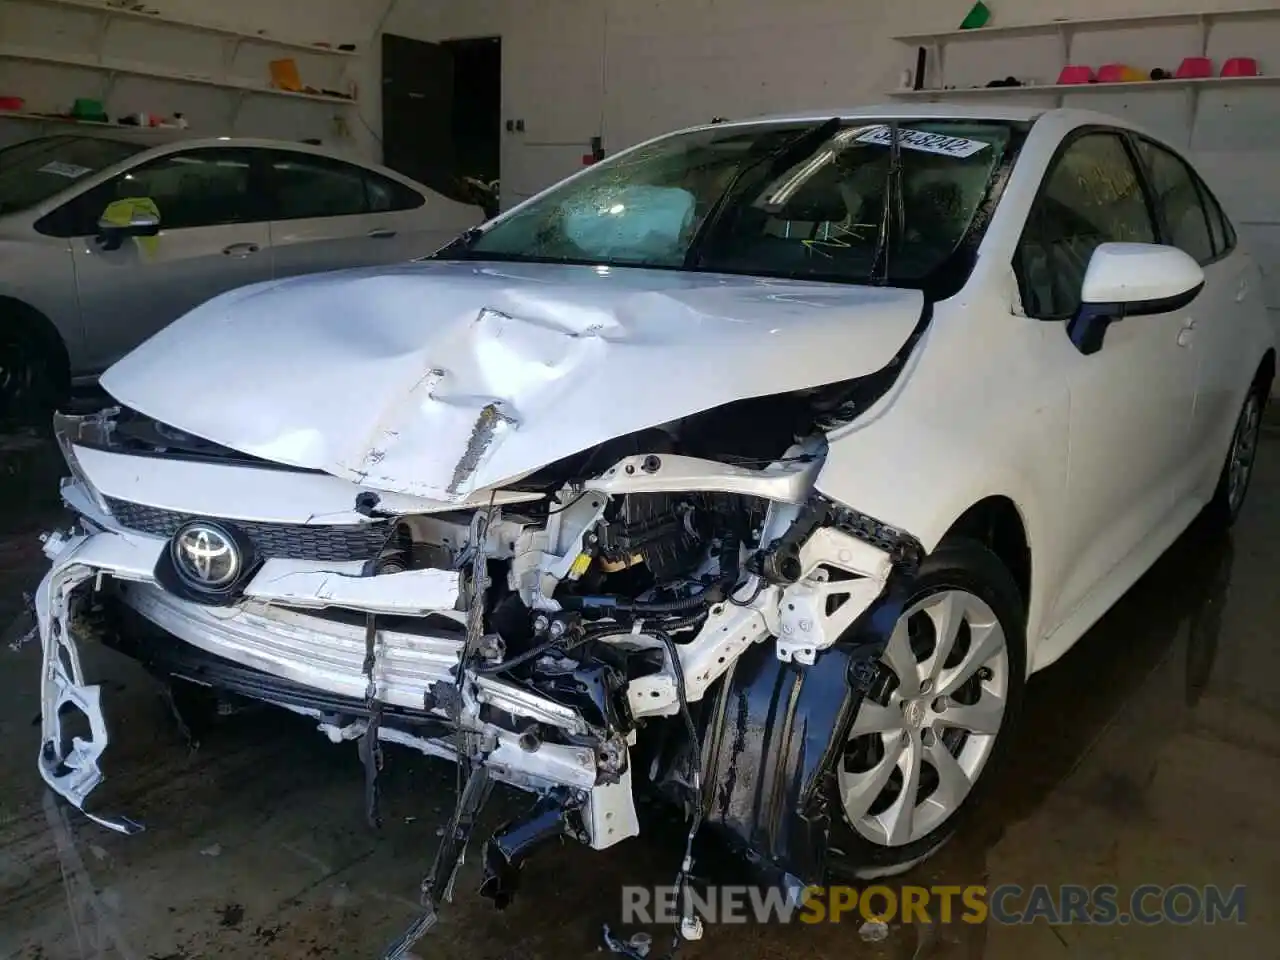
{"x": 1244, "y": 446}
{"x": 919, "y": 742}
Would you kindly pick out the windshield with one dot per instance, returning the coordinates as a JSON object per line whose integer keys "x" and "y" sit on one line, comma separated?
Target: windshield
{"x": 35, "y": 170}
{"x": 769, "y": 201}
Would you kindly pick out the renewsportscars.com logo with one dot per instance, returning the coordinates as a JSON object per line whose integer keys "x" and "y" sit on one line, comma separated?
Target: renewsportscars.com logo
{"x": 1105, "y": 904}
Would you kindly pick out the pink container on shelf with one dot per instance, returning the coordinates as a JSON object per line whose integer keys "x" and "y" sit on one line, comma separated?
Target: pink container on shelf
{"x": 1240, "y": 67}
{"x": 1076, "y": 73}
{"x": 1193, "y": 68}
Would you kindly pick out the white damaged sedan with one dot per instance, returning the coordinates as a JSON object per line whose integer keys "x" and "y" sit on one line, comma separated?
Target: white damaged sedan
{"x": 755, "y": 467}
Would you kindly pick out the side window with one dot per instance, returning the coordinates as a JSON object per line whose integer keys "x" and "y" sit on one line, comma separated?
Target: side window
{"x": 1224, "y": 235}
{"x": 195, "y": 188}
{"x": 1178, "y": 198}
{"x": 1090, "y": 196}
{"x": 387, "y": 195}
{"x": 304, "y": 186}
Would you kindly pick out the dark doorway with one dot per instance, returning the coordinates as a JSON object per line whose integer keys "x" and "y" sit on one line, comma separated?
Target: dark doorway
{"x": 441, "y": 114}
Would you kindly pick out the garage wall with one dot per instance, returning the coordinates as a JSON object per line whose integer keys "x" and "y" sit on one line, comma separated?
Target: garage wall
{"x": 65, "y": 31}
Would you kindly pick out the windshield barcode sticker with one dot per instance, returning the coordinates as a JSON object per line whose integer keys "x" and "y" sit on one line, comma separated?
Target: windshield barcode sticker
{"x": 69, "y": 170}
{"x": 927, "y": 142}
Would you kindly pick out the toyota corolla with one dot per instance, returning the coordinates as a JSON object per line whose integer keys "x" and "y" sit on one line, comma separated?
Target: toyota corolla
{"x": 755, "y": 468}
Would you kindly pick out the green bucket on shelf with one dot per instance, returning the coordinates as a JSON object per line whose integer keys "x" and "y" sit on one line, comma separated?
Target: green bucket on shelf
{"x": 86, "y": 108}
{"x": 977, "y": 17}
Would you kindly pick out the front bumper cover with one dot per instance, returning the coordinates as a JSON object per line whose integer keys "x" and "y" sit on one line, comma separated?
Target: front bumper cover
{"x": 259, "y": 654}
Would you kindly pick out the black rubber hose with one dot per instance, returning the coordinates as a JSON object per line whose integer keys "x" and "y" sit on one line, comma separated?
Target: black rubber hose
{"x": 598, "y": 632}
{"x": 505, "y": 665}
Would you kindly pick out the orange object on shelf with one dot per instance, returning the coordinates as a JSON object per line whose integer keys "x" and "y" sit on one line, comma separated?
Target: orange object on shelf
{"x": 285, "y": 76}
{"x": 1118, "y": 73}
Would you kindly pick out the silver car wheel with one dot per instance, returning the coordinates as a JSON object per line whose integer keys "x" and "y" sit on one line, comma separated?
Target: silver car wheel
{"x": 914, "y": 755}
{"x": 1244, "y": 446}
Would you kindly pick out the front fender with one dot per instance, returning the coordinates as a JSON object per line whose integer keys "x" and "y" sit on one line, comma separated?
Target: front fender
{"x": 952, "y": 437}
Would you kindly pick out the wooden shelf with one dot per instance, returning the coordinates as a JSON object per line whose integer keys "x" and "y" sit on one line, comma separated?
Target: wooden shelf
{"x": 1066, "y": 88}
{"x": 160, "y": 73}
{"x": 96, "y": 6}
{"x": 1000, "y": 31}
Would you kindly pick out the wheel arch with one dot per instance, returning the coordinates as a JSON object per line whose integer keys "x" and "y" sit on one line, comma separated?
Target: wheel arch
{"x": 996, "y": 522}
{"x": 14, "y": 310}
{"x": 1266, "y": 374}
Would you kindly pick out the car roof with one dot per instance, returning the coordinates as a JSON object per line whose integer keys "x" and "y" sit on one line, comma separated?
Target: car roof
{"x": 188, "y": 143}
{"x": 153, "y": 146}
{"x": 1061, "y": 116}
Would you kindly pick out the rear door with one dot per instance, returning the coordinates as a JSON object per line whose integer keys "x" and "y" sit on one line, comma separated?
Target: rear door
{"x": 1226, "y": 355}
{"x": 213, "y": 238}
{"x": 328, "y": 214}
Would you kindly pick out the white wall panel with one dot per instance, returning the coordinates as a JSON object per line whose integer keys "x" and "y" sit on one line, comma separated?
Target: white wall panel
{"x": 65, "y": 31}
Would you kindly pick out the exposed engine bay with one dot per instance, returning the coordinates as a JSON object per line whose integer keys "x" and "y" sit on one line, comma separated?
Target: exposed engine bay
{"x": 607, "y": 625}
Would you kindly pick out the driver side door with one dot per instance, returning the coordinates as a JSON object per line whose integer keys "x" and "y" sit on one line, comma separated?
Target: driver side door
{"x": 213, "y": 238}
{"x": 1131, "y": 402}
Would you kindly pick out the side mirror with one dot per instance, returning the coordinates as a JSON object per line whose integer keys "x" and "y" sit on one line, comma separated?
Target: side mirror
{"x": 140, "y": 224}
{"x": 1131, "y": 280}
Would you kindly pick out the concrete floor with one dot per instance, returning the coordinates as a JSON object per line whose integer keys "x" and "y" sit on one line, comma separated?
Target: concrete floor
{"x": 1150, "y": 754}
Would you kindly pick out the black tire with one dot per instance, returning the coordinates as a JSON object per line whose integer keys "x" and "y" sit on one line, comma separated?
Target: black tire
{"x": 1223, "y": 510}
{"x": 33, "y": 371}
{"x": 957, "y": 564}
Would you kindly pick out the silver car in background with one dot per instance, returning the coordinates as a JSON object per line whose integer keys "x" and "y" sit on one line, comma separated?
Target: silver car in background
{"x": 104, "y": 240}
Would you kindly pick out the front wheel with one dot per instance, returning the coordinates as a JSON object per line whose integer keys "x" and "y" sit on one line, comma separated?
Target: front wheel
{"x": 938, "y": 720}
{"x": 31, "y": 383}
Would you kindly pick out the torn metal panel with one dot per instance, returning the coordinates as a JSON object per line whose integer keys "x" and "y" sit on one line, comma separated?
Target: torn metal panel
{"x": 242, "y": 492}
{"x": 69, "y": 764}
{"x": 627, "y": 349}
{"x": 308, "y": 583}
{"x": 490, "y": 425}
{"x": 785, "y": 482}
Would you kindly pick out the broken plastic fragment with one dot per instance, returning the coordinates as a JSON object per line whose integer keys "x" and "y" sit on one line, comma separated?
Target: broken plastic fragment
{"x": 874, "y": 931}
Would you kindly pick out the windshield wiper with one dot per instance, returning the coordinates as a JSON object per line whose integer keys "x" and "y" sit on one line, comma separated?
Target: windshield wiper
{"x": 459, "y": 244}
{"x": 779, "y": 157}
{"x": 892, "y": 218}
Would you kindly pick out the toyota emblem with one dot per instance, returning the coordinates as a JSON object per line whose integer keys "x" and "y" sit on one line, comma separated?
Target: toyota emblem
{"x": 206, "y": 555}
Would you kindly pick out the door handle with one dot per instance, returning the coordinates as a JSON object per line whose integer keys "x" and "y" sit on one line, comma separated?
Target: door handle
{"x": 1186, "y": 333}
{"x": 240, "y": 250}
{"x": 381, "y": 234}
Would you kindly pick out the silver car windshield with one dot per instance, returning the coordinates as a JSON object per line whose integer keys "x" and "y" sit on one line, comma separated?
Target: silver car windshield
{"x": 790, "y": 200}
{"x": 35, "y": 170}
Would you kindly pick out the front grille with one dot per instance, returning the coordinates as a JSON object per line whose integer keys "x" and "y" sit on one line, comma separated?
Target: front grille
{"x": 285, "y": 541}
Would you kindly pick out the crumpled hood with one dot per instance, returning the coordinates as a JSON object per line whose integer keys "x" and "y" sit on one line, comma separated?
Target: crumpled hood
{"x": 438, "y": 379}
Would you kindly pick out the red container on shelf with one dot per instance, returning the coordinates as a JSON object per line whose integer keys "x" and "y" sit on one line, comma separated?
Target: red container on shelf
{"x": 1240, "y": 67}
{"x": 12, "y": 103}
{"x": 1076, "y": 73}
{"x": 1194, "y": 67}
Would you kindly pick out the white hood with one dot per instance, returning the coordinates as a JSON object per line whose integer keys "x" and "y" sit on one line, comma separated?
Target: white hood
{"x": 438, "y": 379}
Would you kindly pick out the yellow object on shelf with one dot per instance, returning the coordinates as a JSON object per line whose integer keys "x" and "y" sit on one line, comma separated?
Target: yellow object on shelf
{"x": 284, "y": 75}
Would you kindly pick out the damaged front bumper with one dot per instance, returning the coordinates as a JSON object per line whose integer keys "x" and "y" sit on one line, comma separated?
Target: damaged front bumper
{"x": 392, "y": 654}
{"x": 306, "y": 662}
